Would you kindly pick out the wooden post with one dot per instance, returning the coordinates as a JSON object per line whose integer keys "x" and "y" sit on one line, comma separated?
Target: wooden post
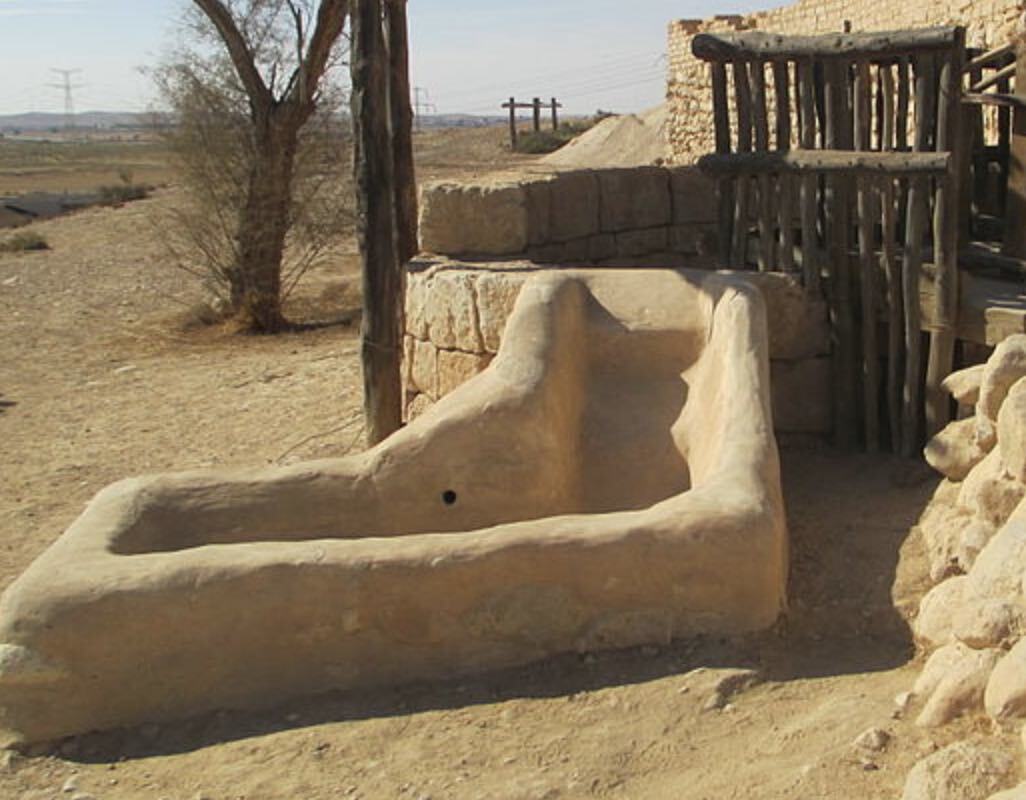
{"x": 810, "y": 187}
{"x": 915, "y": 228}
{"x": 867, "y": 267}
{"x": 1015, "y": 208}
{"x": 374, "y": 165}
{"x": 725, "y": 186}
{"x": 946, "y": 235}
{"x": 743, "y": 102}
{"x": 785, "y": 213}
{"x": 837, "y": 136}
{"x": 765, "y": 256}
{"x": 555, "y": 115}
{"x": 537, "y": 114}
{"x": 895, "y": 311}
{"x": 402, "y": 131}
{"x": 513, "y": 122}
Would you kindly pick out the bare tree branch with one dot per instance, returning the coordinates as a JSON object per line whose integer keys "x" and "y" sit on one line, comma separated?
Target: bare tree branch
{"x": 242, "y": 57}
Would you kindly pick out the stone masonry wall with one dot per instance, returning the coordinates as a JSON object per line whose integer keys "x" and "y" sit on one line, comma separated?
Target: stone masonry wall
{"x": 456, "y": 312}
{"x": 645, "y": 216}
{"x": 989, "y": 23}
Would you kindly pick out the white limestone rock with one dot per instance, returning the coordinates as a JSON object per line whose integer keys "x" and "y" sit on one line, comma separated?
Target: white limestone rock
{"x": 1015, "y": 793}
{"x": 1005, "y": 367}
{"x": 961, "y": 771}
{"x": 481, "y": 219}
{"x": 1011, "y": 431}
{"x": 933, "y": 625}
{"x": 988, "y": 623}
{"x": 942, "y": 535}
{"x": 955, "y": 451}
{"x": 988, "y": 493}
{"x": 964, "y": 385}
{"x": 497, "y": 293}
{"x": 974, "y": 539}
{"x": 959, "y": 676}
{"x": 1005, "y": 697}
{"x": 998, "y": 571}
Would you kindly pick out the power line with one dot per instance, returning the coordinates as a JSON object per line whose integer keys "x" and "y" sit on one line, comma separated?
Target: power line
{"x": 69, "y": 100}
{"x": 421, "y": 103}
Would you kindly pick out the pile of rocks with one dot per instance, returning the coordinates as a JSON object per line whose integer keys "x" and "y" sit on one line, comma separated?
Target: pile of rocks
{"x": 974, "y": 619}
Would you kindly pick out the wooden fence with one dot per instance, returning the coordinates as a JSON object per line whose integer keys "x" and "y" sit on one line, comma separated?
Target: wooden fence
{"x": 856, "y": 191}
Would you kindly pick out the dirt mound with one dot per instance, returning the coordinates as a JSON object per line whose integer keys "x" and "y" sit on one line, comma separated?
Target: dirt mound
{"x": 632, "y": 140}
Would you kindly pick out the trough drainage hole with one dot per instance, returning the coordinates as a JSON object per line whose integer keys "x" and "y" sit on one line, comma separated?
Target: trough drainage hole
{"x": 449, "y": 497}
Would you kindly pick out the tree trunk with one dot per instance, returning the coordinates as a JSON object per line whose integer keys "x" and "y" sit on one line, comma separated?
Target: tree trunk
{"x": 256, "y": 288}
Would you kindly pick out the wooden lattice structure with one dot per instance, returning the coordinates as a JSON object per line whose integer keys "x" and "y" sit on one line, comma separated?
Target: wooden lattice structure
{"x": 838, "y": 158}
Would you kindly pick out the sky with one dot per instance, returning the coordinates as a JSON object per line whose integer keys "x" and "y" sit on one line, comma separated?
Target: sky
{"x": 467, "y": 55}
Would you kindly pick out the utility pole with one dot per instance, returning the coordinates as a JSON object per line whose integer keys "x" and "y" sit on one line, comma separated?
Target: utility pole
{"x": 421, "y": 104}
{"x": 68, "y": 88}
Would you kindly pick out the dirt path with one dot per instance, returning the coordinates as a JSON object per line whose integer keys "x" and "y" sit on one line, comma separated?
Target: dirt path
{"x": 99, "y": 381}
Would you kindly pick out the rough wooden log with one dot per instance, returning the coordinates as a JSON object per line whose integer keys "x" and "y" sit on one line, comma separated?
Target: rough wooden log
{"x": 809, "y": 187}
{"x": 374, "y": 167}
{"x": 865, "y": 195}
{"x": 742, "y": 188}
{"x": 997, "y": 55}
{"x": 915, "y": 229}
{"x": 760, "y": 114}
{"x": 836, "y": 207}
{"x": 725, "y": 185}
{"x": 786, "y": 184}
{"x": 1015, "y": 209}
{"x": 1012, "y": 101}
{"x": 748, "y": 45}
{"x": 993, "y": 79}
{"x": 402, "y": 130}
{"x": 892, "y": 273}
{"x": 828, "y": 162}
{"x": 946, "y": 235}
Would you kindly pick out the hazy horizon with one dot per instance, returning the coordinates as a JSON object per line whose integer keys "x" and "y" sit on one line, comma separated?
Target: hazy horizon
{"x": 467, "y": 56}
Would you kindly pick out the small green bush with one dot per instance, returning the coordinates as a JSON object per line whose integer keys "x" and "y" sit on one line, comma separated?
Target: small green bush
{"x": 548, "y": 141}
{"x": 119, "y": 193}
{"x": 23, "y": 242}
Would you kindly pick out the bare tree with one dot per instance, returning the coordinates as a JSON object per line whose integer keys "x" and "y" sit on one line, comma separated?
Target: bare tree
{"x": 283, "y": 85}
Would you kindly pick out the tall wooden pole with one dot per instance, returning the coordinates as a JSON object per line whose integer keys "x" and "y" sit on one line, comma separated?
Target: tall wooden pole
{"x": 374, "y": 173}
{"x": 402, "y": 130}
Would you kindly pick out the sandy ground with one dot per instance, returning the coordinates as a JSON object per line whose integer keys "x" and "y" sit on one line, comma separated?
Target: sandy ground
{"x": 100, "y": 379}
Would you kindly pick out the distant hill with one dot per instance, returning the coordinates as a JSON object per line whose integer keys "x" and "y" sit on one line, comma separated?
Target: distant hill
{"x": 87, "y": 119}
{"x": 125, "y": 119}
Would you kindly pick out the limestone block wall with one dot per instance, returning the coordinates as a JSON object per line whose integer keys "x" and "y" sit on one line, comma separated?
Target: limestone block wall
{"x": 456, "y": 312}
{"x": 646, "y": 216}
{"x": 689, "y": 100}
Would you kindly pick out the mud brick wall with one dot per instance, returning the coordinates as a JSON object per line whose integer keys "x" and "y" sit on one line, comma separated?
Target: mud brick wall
{"x": 989, "y": 23}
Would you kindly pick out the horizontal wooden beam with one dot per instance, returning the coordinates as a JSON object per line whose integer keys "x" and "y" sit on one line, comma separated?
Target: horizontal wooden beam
{"x": 994, "y": 99}
{"x": 999, "y": 55}
{"x": 994, "y": 79}
{"x": 822, "y": 161}
{"x": 751, "y": 45}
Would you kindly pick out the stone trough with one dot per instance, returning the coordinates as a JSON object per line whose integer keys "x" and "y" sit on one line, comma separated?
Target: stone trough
{"x": 610, "y": 480}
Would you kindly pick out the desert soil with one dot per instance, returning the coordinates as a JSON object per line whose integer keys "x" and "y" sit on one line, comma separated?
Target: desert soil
{"x": 104, "y": 373}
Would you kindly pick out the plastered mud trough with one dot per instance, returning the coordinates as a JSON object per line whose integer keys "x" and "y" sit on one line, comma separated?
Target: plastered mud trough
{"x": 610, "y": 480}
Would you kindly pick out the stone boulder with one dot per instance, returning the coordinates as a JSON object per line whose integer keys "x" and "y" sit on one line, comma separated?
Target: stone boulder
{"x": 1003, "y": 369}
{"x": 955, "y": 451}
{"x": 961, "y": 771}
{"x": 964, "y": 385}
{"x": 953, "y": 680}
{"x": 1005, "y": 697}
{"x": 1011, "y": 431}
{"x": 933, "y": 625}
